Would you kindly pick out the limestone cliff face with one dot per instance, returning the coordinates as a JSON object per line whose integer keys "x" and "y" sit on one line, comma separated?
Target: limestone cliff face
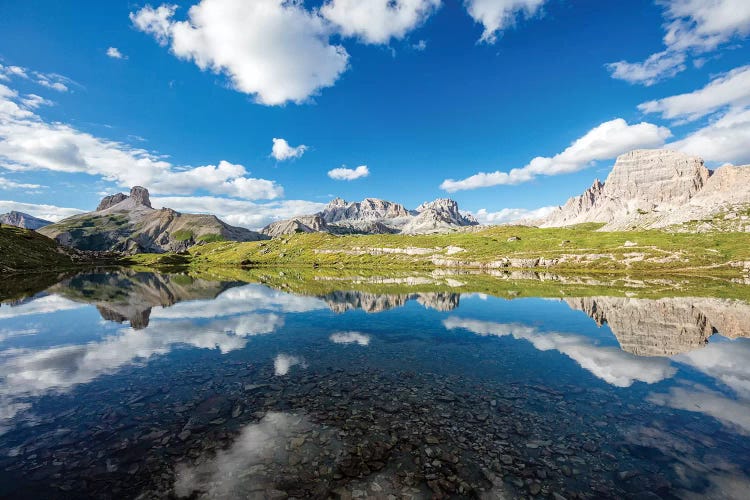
{"x": 375, "y": 216}
{"x": 669, "y": 326}
{"x": 655, "y": 188}
{"x": 130, "y": 224}
{"x": 368, "y": 209}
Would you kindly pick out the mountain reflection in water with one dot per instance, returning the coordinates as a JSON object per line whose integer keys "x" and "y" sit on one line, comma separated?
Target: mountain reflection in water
{"x": 129, "y": 384}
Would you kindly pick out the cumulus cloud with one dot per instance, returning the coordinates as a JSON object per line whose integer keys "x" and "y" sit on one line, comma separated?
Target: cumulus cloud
{"x": 115, "y": 53}
{"x": 611, "y": 364}
{"x": 29, "y": 143}
{"x": 722, "y": 140}
{"x": 498, "y": 15}
{"x": 348, "y": 174}
{"x": 507, "y": 215}
{"x": 728, "y": 89}
{"x": 281, "y": 150}
{"x": 275, "y": 50}
{"x": 691, "y": 27}
{"x": 377, "y": 21}
{"x": 239, "y": 212}
{"x": 603, "y": 142}
{"x": 47, "y": 212}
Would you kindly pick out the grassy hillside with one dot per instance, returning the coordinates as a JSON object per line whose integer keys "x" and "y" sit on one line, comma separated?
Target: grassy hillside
{"x": 572, "y": 249}
{"x": 23, "y": 250}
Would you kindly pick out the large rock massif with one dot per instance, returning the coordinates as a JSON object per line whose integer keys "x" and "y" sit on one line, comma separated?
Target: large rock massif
{"x": 129, "y": 224}
{"x": 22, "y": 220}
{"x": 375, "y": 216}
{"x": 660, "y": 189}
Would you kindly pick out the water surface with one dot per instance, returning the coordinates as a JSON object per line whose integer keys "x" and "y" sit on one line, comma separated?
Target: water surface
{"x": 124, "y": 385}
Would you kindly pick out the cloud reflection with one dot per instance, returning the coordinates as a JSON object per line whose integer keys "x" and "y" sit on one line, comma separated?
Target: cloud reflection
{"x": 610, "y": 364}
{"x": 350, "y": 338}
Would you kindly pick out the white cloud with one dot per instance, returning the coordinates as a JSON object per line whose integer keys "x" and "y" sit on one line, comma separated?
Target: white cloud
{"x": 692, "y": 26}
{"x": 611, "y": 364}
{"x": 729, "y": 89}
{"x": 420, "y": 46}
{"x": 377, "y": 21}
{"x": 275, "y": 50}
{"x": 723, "y": 140}
{"x": 9, "y": 184}
{"x": 498, "y": 15}
{"x": 12, "y": 71}
{"x": 115, "y": 53}
{"x": 29, "y": 143}
{"x": 603, "y": 142}
{"x": 507, "y": 215}
{"x": 33, "y": 101}
{"x": 281, "y": 150}
{"x": 704, "y": 25}
{"x": 53, "y": 81}
{"x": 50, "y": 80}
{"x": 348, "y": 174}
{"x": 239, "y": 212}
{"x": 47, "y": 212}
{"x": 654, "y": 69}
{"x": 350, "y": 338}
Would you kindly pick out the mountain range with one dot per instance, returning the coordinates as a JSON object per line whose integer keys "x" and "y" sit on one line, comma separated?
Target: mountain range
{"x": 375, "y": 216}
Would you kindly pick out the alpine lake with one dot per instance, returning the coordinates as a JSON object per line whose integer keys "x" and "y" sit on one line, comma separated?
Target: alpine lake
{"x": 128, "y": 384}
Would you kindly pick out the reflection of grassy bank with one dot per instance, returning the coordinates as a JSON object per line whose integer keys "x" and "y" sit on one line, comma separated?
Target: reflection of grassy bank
{"x": 574, "y": 249}
{"x": 505, "y": 284}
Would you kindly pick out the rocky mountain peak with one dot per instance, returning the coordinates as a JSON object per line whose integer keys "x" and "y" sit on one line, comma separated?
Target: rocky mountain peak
{"x": 337, "y": 203}
{"x": 445, "y": 210}
{"x": 23, "y": 220}
{"x": 140, "y": 196}
{"x": 110, "y": 201}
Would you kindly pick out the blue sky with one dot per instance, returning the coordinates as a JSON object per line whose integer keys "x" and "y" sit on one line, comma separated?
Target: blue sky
{"x": 427, "y": 94}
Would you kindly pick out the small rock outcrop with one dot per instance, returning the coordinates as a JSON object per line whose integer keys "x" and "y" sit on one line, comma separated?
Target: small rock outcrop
{"x": 375, "y": 216}
{"x": 129, "y": 224}
{"x": 23, "y": 220}
{"x": 655, "y": 189}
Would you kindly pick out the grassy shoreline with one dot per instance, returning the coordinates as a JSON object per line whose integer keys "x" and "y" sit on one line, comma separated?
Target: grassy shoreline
{"x": 568, "y": 250}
